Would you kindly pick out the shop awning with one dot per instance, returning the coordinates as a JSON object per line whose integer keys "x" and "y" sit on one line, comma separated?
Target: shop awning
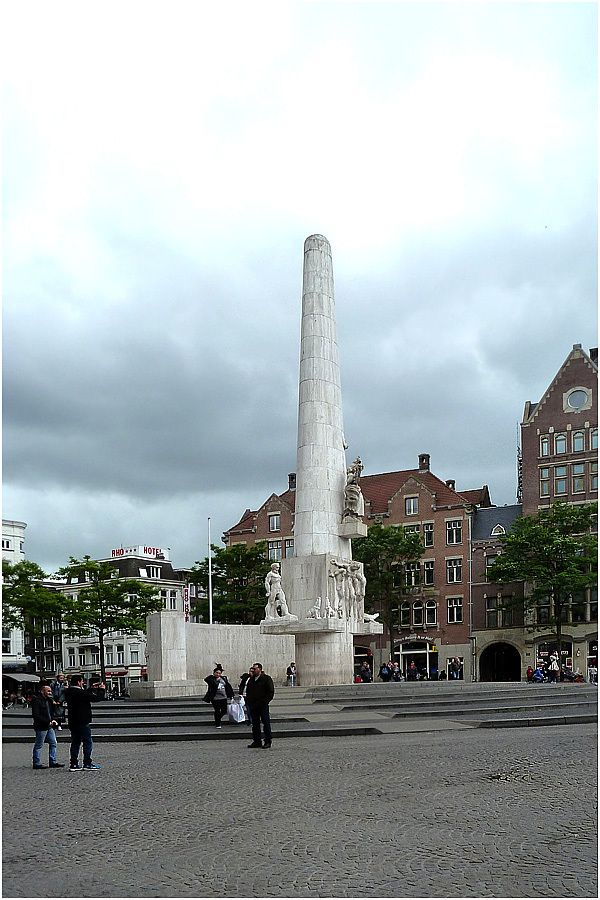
{"x": 20, "y": 676}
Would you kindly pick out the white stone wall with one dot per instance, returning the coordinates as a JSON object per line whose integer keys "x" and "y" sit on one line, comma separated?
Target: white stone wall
{"x": 236, "y": 647}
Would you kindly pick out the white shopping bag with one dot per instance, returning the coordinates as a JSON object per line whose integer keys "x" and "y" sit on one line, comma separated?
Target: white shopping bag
{"x": 236, "y": 713}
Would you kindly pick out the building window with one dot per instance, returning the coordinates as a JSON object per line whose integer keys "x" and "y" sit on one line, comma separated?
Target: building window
{"x": 81, "y": 653}
{"x": 411, "y": 529}
{"x": 578, "y": 441}
{"x": 560, "y": 480}
{"x": 545, "y": 445}
{"x": 428, "y": 534}
{"x": 454, "y": 532}
{"x": 5, "y": 645}
{"x": 172, "y": 599}
{"x": 560, "y": 442}
{"x": 405, "y": 614}
{"x": 274, "y": 550}
{"x": 543, "y": 611}
{"x": 95, "y": 657}
{"x": 544, "y": 482}
{"x": 431, "y": 612}
{"x": 412, "y": 572}
{"x": 108, "y": 651}
{"x": 71, "y": 652}
{"x": 491, "y": 612}
{"x": 593, "y": 476}
{"x": 153, "y": 571}
{"x": 489, "y": 562}
{"x": 417, "y": 613}
{"x": 498, "y": 529}
{"x": 594, "y": 605}
{"x": 5, "y": 544}
{"x": 453, "y": 571}
{"x": 594, "y": 439}
{"x": 455, "y": 610}
{"x": 163, "y": 597}
{"x": 134, "y": 654}
{"x": 289, "y": 548}
{"x": 578, "y": 473}
{"x": 428, "y": 572}
{"x": 275, "y": 522}
{"x": 578, "y": 608}
{"x": 120, "y": 654}
{"x": 411, "y": 506}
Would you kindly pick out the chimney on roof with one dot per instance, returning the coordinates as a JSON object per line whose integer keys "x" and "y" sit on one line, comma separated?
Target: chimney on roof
{"x": 451, "y": 484}
{"x": 594, "y": 355}
{"x": 423, "y": 462}
{"x": 292, "y": 481}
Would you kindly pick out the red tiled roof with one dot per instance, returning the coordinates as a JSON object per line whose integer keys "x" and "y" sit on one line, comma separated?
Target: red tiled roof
{"x": 379, "y": 489}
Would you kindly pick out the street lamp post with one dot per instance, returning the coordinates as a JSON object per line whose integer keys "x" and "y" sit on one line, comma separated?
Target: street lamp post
{"x": 210, "y": 610}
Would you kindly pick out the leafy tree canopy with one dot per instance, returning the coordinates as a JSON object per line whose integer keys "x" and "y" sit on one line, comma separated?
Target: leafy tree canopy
{"x": 555, "y": 551}
{"x": 238, "y": 590}
{"x": 24, "y": 597}
{"x": 384, "y": 552}
{"x": 105, "y": 602}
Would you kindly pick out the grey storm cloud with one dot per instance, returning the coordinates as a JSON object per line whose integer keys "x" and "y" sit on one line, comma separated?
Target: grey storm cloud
{"x": 154, "y": 224}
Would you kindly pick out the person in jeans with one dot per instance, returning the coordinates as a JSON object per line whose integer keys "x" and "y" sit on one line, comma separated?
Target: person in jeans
{"x": 79, "y": 705}
{"x": 218, "y": 693}
{"x": 44, "y": 723}
{"x": 259, "y": 693}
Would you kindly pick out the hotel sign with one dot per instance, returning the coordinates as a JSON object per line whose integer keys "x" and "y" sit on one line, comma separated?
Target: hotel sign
{"x": 141, "y": 550}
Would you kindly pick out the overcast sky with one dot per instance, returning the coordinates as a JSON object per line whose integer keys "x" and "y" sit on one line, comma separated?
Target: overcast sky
{"x": 163, "y": 165}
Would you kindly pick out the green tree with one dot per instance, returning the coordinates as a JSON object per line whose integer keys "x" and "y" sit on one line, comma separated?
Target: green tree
{"x": 385, "y": 552}
{"x": 238, "y": 584}
{"x": 25, "y": 598}
{"x": 556, "y": 553}
{"x": 105, "y": 602}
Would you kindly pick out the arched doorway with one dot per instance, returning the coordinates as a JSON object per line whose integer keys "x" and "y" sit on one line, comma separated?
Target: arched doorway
{"x": 500, "y": 662}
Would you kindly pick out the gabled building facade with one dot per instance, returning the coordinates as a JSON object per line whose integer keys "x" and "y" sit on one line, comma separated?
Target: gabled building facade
{"x": 559, "y": 462}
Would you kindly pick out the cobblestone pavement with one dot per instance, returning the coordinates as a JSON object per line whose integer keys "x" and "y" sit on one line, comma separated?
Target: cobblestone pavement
{"x": 454, "y": 814}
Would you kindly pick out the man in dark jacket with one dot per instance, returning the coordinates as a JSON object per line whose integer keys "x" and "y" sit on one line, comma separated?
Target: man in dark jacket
{"x": 44, "y": 723}
{"x": 80, "y": 715}
{"x": 259, "y": 693}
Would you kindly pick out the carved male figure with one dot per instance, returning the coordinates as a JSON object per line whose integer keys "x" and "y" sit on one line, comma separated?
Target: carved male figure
{"x": 275, "y": 596}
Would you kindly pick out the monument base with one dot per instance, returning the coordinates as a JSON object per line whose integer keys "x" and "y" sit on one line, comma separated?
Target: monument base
{"x": 157, "y": 690}
{"x": 324, "y": 657}
{"x": 352, "y": 528}
{"x": 310, "y": 626}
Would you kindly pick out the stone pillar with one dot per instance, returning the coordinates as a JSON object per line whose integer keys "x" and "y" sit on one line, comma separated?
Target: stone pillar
{"x": 166, "y": 646}
{"x": 321, "y": 461}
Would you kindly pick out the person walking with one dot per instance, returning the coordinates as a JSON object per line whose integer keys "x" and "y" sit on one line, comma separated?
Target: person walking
{"x": 219, "y": 691}
{"x": 79, "y": 705}
{"x": 259, "y": 693}
{"x": 291, "y": 674}
{"x": 365, "y": 673}
{"x": 385, "y": 672}
{"x": 44, "y": 723}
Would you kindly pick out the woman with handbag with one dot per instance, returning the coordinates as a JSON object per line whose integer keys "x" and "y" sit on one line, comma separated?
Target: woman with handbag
{"x": 218, "y": 693}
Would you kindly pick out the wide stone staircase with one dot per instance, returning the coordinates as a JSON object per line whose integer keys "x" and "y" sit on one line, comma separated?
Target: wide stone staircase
{"x": 340, "y": 710}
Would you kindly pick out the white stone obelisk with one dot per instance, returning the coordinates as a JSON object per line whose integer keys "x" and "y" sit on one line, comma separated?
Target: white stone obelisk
{"x": 323, "y": 586}
{"x": 321, "y": 461}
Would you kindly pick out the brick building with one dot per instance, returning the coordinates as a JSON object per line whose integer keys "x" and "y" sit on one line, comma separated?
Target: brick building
{"x": 559, "y": 461}
{"x": 434, "y": 619}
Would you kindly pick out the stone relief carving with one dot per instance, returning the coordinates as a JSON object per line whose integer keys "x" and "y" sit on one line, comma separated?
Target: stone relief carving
{"x": 276, "y": 608}
{"x": 329, "y": 612}
{"x": 315, "y": 611}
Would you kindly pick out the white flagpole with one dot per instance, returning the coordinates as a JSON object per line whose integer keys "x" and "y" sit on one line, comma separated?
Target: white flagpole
{"x": 210, "y": 616}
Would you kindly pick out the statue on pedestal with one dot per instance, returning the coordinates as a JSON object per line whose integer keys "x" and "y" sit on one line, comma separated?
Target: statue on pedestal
{"x": 276, "y": 607}
{"x": 354, "y": 502}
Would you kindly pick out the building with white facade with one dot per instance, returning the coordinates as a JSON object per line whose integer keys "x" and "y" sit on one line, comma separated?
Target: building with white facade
{"x": 13, "y": 551}
{"x": 125, "y": 653}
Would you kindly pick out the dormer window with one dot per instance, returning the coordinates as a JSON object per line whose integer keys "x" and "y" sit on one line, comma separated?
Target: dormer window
{"x": 411, "y": 506}
{"x": 275, "y": 522}
{"x": 498, "y": 529}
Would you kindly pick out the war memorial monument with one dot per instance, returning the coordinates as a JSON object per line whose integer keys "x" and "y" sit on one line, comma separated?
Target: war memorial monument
{"x": 315, "y": 599}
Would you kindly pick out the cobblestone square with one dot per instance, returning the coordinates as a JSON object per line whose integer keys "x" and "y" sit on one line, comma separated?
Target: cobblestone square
{"x": 479, "y": 813}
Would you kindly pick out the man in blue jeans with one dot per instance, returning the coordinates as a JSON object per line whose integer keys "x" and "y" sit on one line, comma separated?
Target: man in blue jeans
{"x": 44, "y": 723}
{"x": 79, "y": 706}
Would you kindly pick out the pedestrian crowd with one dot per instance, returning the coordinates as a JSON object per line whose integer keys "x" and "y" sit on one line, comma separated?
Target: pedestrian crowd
{"x": 552, "y": 672}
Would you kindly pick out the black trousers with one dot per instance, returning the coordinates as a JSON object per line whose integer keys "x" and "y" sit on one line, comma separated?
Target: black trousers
{"x": 220, "y": 708}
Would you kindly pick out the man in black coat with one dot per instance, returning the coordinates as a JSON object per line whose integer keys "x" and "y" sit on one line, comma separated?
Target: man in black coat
{"x": 44, "y": 723}
{"x": 259, "y": 693}
{"x": 80, "y": 716}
